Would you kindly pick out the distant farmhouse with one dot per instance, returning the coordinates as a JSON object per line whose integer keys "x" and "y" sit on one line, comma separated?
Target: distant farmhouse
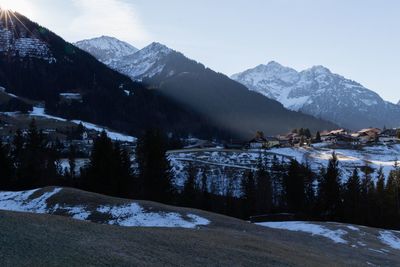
{"x": 70, "y": 97}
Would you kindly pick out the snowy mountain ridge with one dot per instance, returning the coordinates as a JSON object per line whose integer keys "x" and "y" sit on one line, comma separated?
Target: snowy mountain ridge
{"x": 126, "y": 59}
{"x": 319, "y": 92}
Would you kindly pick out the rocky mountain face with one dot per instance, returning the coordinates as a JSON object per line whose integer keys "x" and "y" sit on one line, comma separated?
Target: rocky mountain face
{"x": 215, "y": 96}
{"x": 39, "y": 65}
{"x": 319, "y": 92}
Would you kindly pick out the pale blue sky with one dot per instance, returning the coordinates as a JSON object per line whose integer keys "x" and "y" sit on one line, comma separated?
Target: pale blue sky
{"x": 359, "y": 39}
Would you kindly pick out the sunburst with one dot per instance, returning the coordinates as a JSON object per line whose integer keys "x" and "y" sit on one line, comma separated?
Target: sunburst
{"x": 8, "y": 17}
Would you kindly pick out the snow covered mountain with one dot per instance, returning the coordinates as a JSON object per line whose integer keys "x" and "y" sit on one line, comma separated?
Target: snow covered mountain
{"x": 192, "y": 85}
{"x": 319, "y": 92}
{"x": 107, "y": 49}
{"x": 136, "y": 64}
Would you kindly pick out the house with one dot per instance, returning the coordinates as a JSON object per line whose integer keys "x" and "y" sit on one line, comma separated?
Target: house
{"x": 367, "y": 135}
{"x": 330, "y": 136}
{"x": 70, "y": 97}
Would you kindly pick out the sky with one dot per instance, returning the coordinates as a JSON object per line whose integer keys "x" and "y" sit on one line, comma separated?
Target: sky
{"x": 358, "y": 39}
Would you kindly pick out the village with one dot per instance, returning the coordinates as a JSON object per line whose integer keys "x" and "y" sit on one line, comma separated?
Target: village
{"x": 339, "y": 139}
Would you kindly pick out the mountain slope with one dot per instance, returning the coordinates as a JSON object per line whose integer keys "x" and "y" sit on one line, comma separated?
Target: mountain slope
{"x": 319, "y": 92}
{"x": 49, "y": 240}
{"x": 39, "y": 65}
{"x": 213, "y": 95}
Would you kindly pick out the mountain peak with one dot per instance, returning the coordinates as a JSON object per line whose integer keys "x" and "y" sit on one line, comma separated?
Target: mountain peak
{"x": 155, "y": 46}
{"x": 319, "y": 69}
{"x": 106, "y": 48}
{"x": 274, "y": 64}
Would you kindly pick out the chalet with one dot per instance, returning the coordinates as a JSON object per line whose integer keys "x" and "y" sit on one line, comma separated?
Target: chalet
{"x": 70, "y": 97}
{"x": 367, "y": 135}
{"x": 331, "y": 136}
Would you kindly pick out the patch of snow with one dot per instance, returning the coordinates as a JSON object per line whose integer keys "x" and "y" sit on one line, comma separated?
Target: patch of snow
{"x": 353, "y": 228}
{"x": 390, "y": 239}
{"x": 133, "y": 215}
{"x": 22, "y": 201}
{"x": 314, "y": 229}
{"x": 40, "y": 112}
{"x": 111, "y": 134}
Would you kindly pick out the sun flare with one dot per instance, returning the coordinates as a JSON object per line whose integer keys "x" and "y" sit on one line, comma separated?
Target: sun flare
{"x": 21, "y": 6}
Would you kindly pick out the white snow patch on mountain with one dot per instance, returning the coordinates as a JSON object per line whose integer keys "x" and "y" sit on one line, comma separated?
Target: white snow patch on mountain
{"x": 134, "y": 215}
{"x": 390, "y": 239}
{"x": 129, "y": 215}
{"x": 116, "y": 136}
{"x": 25, "y": 202}
{"x": 336, "y": 236}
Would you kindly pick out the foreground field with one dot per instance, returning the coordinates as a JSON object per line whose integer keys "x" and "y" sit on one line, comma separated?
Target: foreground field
{"x": 47, "y": 240}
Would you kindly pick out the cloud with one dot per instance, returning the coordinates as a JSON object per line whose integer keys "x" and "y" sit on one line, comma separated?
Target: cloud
{"x": 107, "y": 17}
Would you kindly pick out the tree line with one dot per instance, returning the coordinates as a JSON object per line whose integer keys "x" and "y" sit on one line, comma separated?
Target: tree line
{"x": 273, "y": 187}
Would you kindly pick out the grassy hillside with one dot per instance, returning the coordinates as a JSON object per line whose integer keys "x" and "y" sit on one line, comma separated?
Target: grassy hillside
{"x": 32, "y": 239}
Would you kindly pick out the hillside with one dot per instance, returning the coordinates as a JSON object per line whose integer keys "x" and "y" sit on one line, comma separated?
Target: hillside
{"x": 214, "y": 96}
{"x": 34, "y": 239}
{"x": 319, "y": 92}
{"x": 37, "y": 64}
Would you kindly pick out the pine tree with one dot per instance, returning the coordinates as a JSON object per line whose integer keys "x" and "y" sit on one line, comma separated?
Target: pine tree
{"x": 329, "y": 191}
{"x": 380, "y": 199}
{"x": 205, "y": 194}
{"x": 351, "y": 198}
{"x": 189, "y": 189}
{"x": 154, "y": 170}
{"x": 367, "y": 196}
{"x": 264, "y": 188}
{"x": 7, "y": 170}
{"x": 278, "y": 171}
{"x": 32, "y": 162}
{"x": 295, "y": 187}
{"x": 123, "y": 173}
{"x": 99, "y": 175}
{"x": 249, "y": 194}
{"x": 392, "y": 213}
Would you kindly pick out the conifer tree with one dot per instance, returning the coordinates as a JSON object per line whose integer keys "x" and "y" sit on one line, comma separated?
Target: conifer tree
{"x": 7, "y": 170}
{"x": 351, "y": 198}
{"x": 154, "y": 171}
{"x": 189, "y": 189}
{"x": 249, "y": 194}
{"x": 264, "y": 188}
{"x": 367, "y": 196}
{"x": 379, "y": 213}
{"x": 329, "y": 190}
{"x": 205, "y": 194}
